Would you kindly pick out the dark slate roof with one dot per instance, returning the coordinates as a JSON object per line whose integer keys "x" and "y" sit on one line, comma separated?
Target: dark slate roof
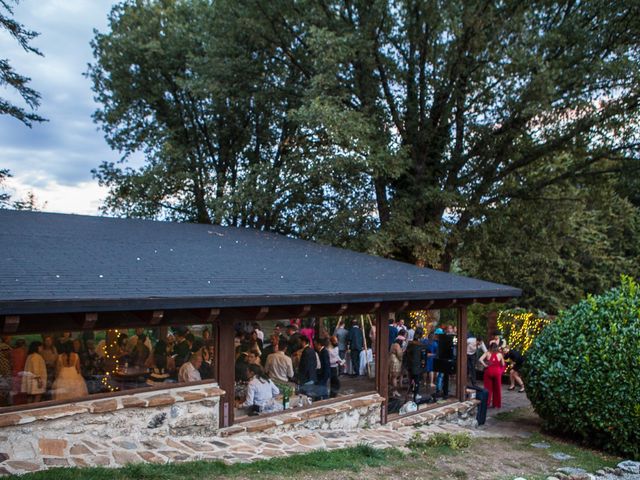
{"x": 57, "y": 263}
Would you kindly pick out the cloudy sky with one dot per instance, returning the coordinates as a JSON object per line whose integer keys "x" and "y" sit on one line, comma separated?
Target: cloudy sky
{"x": 54, "y": 159}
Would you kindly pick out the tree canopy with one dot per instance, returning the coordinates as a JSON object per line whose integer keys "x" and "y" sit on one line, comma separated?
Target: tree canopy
{"x": 9, "y": 77}
{"x": 403, "y": 127}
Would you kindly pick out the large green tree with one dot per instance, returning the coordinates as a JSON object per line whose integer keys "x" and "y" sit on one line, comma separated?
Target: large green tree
{"x": 456, "y": 106}
{"x": 396, "y": 126}
{"x": 208, "y": 104}
{"x": 9, "y": 77}
{"x": 566, "y": 242}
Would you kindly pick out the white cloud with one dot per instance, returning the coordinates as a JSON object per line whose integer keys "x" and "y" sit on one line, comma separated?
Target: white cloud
{"x": 83, "y": 198}
{"x": 54, "y": 159}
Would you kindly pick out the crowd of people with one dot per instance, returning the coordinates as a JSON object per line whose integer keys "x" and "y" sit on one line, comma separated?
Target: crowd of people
{"x": 63, "y": 366}
{"x": 412, "y": 354}
{"x": 295, "y": 356}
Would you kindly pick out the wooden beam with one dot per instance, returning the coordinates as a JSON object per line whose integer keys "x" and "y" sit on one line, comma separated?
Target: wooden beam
{"x": 304, "y": 311}
{"x": 461, "y": 379}
{"x": 382, "y": 360}
{"x": 262, "y": 313}
{"x": 225, "y": 372}
{"x": 206, "y": 315}
{"x": 402, "y": 307}
{"x": 375, "y": 308}
{"x": 156, "y": 317}
{"x": 342, "y": 309}
{"x": 11, "y": 323}
{"x": 90, "y": 320}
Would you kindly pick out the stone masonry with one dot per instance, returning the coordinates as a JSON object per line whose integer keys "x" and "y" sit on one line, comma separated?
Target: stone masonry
{"x": 181, "y": 425}
{"x": 104, "y": 432}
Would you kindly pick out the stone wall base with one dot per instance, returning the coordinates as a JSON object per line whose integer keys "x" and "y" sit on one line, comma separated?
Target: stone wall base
{"x": 361, "y": 412}
{"x": 109, "y": 432}
{"x": 459, "y": 413}
{"x": 130, "y": 435}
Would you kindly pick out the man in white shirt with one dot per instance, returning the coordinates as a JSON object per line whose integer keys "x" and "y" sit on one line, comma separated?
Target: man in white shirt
{"x": 279, "y": 366}
{"x": 410, "y": 333}
{"x": 189, "y": 370}
{"x": 472, "y": 348}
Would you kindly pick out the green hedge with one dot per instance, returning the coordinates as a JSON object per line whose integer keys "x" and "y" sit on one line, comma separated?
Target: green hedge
{"x": 583, "y": 371}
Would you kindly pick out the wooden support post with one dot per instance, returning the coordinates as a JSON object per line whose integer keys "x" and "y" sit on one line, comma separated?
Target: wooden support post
{"x": 382, "y": 360}
{"x": 90, "y": 320}
{"x": 403, "y": 307}
{"x": 11, "y": 323}
{"x": 262, "y": 313}
{"x": 225, "y": 371}
{"x": 342, "y": 309}
{"x": 162, "y": 332}
{"x": 156, "y": 317}
{"x": 461, "y": 385}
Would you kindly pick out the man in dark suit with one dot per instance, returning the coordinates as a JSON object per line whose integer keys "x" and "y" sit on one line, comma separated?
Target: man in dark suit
{"x": 293, "y": 341}
{"x": 324, "y": 372}
{"x": 356, "y": 345}
{"x": 307, "y": 369}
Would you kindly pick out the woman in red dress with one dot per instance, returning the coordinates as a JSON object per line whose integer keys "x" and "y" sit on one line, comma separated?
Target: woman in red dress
{"x": 493, "y": 362}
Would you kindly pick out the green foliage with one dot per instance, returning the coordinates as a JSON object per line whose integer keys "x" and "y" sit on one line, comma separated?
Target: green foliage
{"x": 478, "y": 318}
{"x": 413, "y": 130}
{"x": 453, "y": 441}
{"x": 583, "y": 371}
{"x": 558, "y": 246}
{"x": 9, "y": 77}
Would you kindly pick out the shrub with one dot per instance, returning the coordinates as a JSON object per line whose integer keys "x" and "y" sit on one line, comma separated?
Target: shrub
{"x": 583, "y": 371}
{"x": 454, "y": 441}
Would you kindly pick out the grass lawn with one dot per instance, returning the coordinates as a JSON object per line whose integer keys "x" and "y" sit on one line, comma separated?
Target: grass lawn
{"x": 354, "y": 459}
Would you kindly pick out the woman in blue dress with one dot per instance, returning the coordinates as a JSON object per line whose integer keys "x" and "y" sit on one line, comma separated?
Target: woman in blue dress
{"x": 432, "y": 352}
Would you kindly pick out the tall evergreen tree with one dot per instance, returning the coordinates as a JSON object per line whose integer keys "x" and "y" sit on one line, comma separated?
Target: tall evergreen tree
{"x": 9, "y": 77}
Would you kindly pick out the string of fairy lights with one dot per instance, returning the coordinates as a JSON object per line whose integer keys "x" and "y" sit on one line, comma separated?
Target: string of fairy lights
{"x": 422, "y": 318}
{"x": 520, "y": 329}
{"x": 111, "y": 357}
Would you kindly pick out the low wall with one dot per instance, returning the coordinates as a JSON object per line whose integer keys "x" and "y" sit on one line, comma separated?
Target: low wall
{"x": 112, "y": 431}
{"x": 181, "y": 424}
{"x": 459, "y": 413}
{"x": 351, "y": 414}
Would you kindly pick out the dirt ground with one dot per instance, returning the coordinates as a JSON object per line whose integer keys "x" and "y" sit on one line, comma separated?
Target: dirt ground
{"x": 501, "y": 449}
